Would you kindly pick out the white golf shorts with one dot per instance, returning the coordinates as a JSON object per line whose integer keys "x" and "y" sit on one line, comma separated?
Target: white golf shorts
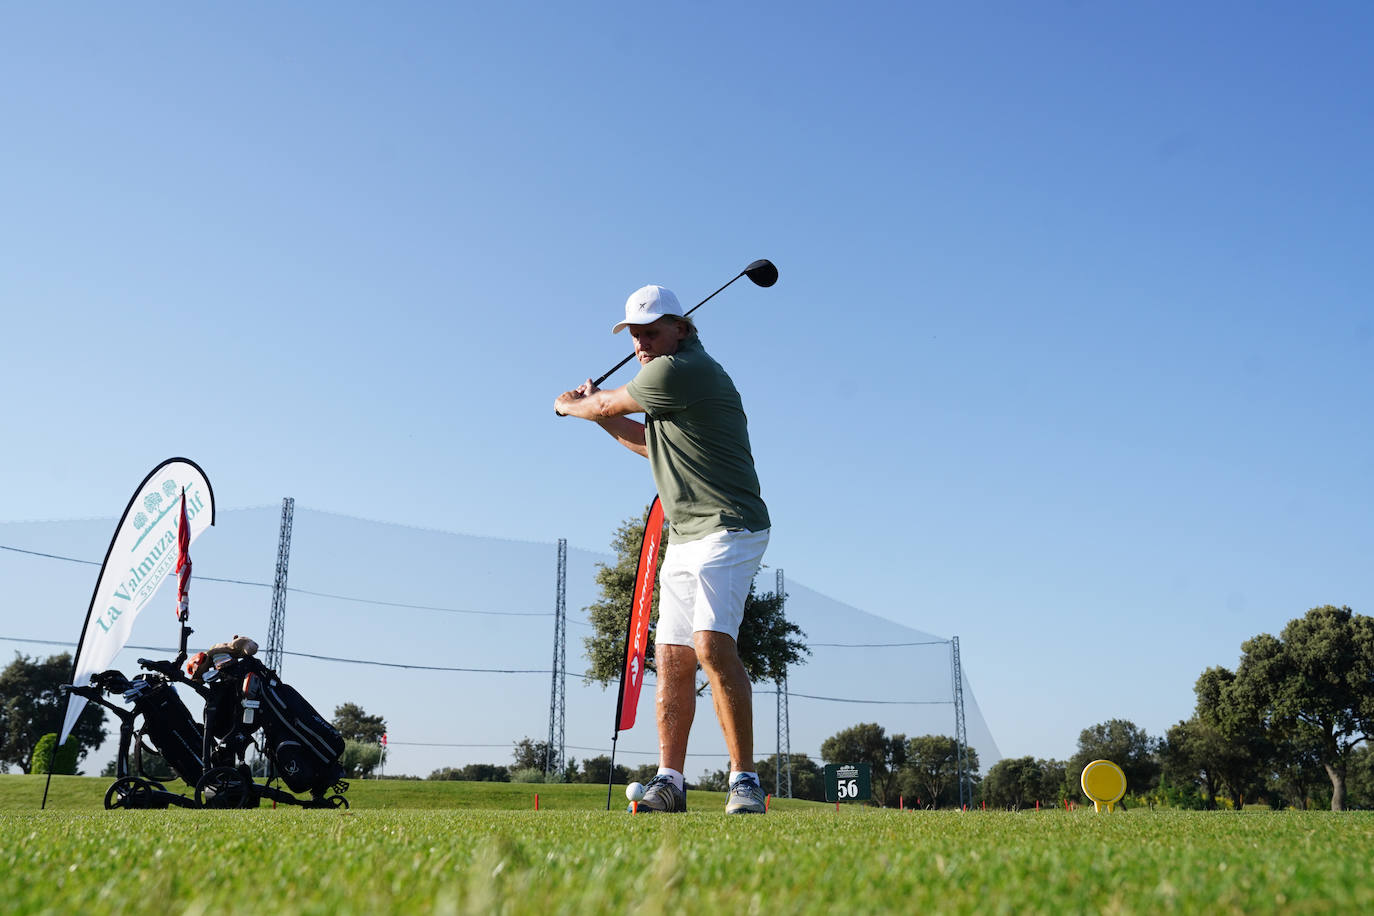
{"x": 703, "y": 584}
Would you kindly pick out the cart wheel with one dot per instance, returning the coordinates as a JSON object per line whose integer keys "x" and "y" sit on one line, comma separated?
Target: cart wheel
{"x": 223, "y": 787}
{"x": 336, "y": 801}
{"x": 127, "y": 792}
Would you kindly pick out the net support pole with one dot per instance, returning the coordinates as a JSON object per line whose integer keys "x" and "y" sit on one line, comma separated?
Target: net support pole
{"x": 960, "y": 729}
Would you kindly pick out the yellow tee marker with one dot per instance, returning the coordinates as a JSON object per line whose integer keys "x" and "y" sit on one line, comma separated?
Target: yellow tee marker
{"x": 1103, "y": 782}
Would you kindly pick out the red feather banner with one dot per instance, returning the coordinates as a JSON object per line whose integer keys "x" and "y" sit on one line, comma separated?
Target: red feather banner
{"x": 637, "y": 639}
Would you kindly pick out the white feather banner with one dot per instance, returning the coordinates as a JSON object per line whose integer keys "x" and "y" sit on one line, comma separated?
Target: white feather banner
{"x": 142, "y": 553}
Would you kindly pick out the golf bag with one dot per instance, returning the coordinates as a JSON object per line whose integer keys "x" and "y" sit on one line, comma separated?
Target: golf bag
{"x": 304, "y": 745}
{"x": 168, "y": 725}
{"x": 304, "y": 748}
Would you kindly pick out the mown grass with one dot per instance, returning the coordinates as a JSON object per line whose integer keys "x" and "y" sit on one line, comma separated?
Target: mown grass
{"x": 806, "y": 859}
{"x": 23, "y": 794}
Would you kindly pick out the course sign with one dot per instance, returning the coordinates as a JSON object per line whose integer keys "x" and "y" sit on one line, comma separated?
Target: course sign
{"x": 1104, "y": 782}
{"x": 848, "y": 782}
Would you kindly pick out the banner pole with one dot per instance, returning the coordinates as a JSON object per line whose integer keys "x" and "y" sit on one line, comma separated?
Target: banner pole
{"x": 53, "y": 756}
{"x": 610, "y": 776}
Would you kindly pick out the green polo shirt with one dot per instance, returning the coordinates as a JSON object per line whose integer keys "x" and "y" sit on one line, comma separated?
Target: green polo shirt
{"x": 698, "y": 441}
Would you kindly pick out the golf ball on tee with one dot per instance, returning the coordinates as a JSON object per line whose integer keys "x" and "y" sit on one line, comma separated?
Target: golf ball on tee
{"x": 634, "y": 791}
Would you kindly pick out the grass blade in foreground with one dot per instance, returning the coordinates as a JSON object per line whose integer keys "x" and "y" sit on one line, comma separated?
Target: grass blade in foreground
{"x": 803, "y": 861}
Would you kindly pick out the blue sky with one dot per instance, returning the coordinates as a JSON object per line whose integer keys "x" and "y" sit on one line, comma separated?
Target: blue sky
{"x": 1069, "y": 354}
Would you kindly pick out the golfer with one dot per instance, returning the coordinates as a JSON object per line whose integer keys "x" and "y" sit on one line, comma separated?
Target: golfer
{"x": 696, "y": 438}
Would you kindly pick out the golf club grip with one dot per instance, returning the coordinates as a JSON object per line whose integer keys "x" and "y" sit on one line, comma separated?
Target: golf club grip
{"x": 605, "y": 375}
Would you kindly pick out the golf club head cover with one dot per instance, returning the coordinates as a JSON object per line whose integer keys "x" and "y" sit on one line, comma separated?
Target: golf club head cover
{"x": 238, "y": 647}
{"x": 195, "y": 668}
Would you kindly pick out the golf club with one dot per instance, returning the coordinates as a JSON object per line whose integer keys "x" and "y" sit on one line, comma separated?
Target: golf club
{"x": 761, "y": 272}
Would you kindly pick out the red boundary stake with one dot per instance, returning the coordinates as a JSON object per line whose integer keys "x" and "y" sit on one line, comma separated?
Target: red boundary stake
{"x": 767, "y": 800}
{"x": 536, "y": 801}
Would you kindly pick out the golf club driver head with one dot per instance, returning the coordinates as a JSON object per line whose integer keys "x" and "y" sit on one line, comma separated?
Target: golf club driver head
{"x": 762, "y": 272}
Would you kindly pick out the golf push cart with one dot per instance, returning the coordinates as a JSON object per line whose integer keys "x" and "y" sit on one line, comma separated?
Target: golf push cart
{"x": 246, "y": 705}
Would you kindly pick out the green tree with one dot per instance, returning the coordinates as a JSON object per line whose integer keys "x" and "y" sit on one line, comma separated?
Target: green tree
{"x": 713, "y": 781}
{"x": 868, "y": 742}
{"x": 1360, "y": 779}
{"x": 32, "y": 704}
{"x": 360, "y": 758}
{"x": 1227, "y": 735}
{"x": 931, "y": 772}
{"x": 354, "y": 724}
{"x": 597, "y": 770}
{"x": 1224, "y": 748}
{"x": 1015, "y": 783}
{"x": 530, "y": 754}
{"x": 808, "y": 780}
{"x": 644, "y": 772}
{"x": 1313, "y": 687}
{"x": 768, "y": 643}
{"x": 1054, "y": 788}
{"x": 1296, "y": 778}
{"x": 1124, "y": 744}
{"x": 1187, "y": 759}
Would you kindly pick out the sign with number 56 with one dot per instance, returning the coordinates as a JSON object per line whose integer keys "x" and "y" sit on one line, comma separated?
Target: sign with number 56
{"x": 848, "y": 782}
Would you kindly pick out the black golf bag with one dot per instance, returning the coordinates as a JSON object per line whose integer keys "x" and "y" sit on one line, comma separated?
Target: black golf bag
{"x": 168, "y": 725}
{"x": 304, "y": 748}
{"x": 304, "y": 745}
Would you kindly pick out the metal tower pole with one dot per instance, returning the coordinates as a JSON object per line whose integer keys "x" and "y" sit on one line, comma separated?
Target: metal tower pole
{"x": 276, "y": 624}
{"x": 553, "y": 763}
{"x": 783, "y": 761}
{"x": 786, "y": 737}
{"x": 960, "y": 731}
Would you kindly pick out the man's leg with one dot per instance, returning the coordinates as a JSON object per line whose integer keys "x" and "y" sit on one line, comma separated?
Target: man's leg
{"x": 676, "y": 700}
{"x": 676, "y": 706}
{"x": 731, "y": 693}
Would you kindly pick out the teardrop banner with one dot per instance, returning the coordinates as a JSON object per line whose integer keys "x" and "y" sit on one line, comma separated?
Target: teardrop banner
{"x": 637, "y": 637}
{"x": 144, "y": 550}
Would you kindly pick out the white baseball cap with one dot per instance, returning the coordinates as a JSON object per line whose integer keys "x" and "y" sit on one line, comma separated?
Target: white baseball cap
{"x": 648, "y": 304}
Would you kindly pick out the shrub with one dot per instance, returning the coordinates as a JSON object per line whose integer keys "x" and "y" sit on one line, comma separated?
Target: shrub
{"x": 65, "y": 762}
{"x": 474, "y": 772}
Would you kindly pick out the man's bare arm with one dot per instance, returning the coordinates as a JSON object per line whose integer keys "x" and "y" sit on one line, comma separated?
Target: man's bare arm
{"x": 608, "y": 409}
